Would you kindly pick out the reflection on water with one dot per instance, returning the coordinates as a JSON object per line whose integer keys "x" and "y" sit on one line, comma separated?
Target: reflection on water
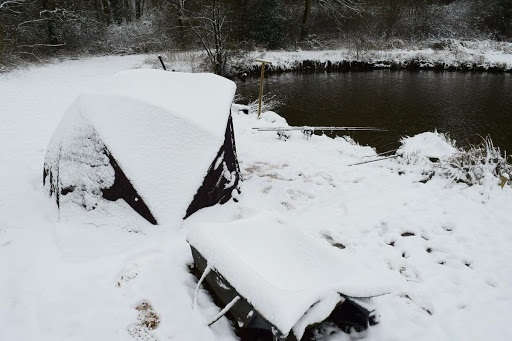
{"x": 465, "y": 105}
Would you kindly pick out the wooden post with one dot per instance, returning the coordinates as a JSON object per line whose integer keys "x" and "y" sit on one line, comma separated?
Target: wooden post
{"x": 262, "y": 75}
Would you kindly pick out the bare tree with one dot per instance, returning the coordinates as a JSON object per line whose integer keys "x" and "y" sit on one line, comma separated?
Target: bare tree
{"x": 209, "y": 27}
{"x": 335, "y": 8}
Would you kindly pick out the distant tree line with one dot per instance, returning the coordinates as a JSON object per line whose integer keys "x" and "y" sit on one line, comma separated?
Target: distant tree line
{"x": 33, "y": 29}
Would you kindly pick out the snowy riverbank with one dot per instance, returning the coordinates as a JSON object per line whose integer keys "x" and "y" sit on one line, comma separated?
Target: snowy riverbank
{"x": 454, "y": 56}
{"x": 75, "y": 275}
{"x": 448, "y": 55}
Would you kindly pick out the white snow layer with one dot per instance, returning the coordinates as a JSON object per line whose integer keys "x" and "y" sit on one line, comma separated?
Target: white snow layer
{"x": 163, "y": 129}
{"x": 427, "y": 145}
{"x": 75, "y": 275}
{"x": 202, "y": 98}
{"x": 483, "y": 53}
{"x": 279, "y": 269}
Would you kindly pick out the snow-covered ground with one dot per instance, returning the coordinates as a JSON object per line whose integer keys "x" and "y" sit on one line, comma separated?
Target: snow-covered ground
{"x": 103, "y": 274}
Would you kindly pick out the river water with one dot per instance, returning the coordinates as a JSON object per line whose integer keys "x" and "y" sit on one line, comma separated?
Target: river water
{"x": 467, "y": 106}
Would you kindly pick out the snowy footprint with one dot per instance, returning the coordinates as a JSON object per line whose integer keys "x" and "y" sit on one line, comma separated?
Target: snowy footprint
{"x": 129, "y": 273}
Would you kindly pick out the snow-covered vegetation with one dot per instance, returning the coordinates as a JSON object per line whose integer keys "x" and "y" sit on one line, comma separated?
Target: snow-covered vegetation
{"x": 32, "y": 31}
{"x": 450, "y": 55}
{"x": 445, "y": 55}
{"x": 435, "y": 154}
{"x": 443, "y": 245}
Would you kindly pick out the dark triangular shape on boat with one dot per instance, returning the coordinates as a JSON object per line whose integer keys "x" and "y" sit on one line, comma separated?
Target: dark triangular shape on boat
{"x": 216, "y": 187}
{"x": 123, "y": 189}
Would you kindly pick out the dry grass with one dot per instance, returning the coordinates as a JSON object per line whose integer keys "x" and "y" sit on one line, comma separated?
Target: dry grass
{"x": 477, "y": 163}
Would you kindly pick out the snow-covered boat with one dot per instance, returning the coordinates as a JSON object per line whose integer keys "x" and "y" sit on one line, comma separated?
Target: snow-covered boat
{"x": 277, "y": 283}
{"x": 161, "y": 141}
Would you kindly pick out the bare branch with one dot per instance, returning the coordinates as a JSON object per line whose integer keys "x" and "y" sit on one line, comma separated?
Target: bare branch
{"x": 31, "y": 21}
{"x": 30, "y": 54}
{"x": 11, "y": 2}
{"x": 42, "y": 45}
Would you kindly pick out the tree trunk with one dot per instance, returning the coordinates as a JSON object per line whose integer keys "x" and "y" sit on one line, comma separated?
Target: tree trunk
{"x": 51, "y": 29}
{"x": 2, "y": 37}
{"x": 305, "y": 18}
{"x": 100, "y": 11}
{"x": 138, "y": 9}
{"x": 109, "y": 12}
{"x": 181, "y": 26}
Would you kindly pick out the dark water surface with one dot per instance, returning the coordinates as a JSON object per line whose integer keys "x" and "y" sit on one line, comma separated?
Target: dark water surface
{"x": 465, "y": 105}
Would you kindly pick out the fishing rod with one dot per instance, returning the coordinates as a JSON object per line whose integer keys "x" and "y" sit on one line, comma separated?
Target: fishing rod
{"x": 309, "y": 128}
{"x": 382, "y": 158}
{"x": 383, "y": 153}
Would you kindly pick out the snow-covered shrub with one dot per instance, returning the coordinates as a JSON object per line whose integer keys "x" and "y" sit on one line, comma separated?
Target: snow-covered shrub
{"x": 186, "y": 61}
{"x": 239, "y": 58}
{"x": 442, "y": 44}
{"x": 180, "y": 61}
{"x": 478, "y": 164}
{"x": 312, "y": 41}
{"x": 426, "y": 147}
{"x": 394, "y": 43}
{"x": 137, "y": 36}
{"x": 435, "y": 154}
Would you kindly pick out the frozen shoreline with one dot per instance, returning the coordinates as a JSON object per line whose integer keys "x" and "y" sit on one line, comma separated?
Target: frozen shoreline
{"x": 79, "y": 275}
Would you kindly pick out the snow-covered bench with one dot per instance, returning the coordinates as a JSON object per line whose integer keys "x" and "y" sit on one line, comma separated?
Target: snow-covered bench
{"x": 162, "y": 141}
{"x": 273, "y": 277}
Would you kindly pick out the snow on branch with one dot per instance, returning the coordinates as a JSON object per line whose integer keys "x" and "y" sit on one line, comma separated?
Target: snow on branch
{"x": 4, "y": 4}
{"x": 31, "y": 21}
{"x": 42, "y": 45}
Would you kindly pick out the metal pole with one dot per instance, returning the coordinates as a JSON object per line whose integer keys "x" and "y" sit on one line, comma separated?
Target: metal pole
{"x": 162, "y": 62}
{"x": 262, "y": 75}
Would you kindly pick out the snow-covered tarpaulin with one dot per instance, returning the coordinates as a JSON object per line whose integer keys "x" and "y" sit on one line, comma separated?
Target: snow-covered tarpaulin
{"x": 162, "y": 141}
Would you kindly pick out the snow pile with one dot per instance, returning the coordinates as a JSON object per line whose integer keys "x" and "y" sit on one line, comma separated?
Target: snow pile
{"x": 274, "y": 119}
{"x": 428, "y": 145}
{"x": 281, "y": 271}
{"x": 162, "y": 128}
{"x": 435, "y": 154}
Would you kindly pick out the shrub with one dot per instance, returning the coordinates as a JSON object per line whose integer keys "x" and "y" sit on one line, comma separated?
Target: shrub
{"x": 478, "y": 164}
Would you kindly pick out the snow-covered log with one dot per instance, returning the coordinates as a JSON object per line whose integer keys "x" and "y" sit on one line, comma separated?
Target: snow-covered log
{"x": 162, "y": 141}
